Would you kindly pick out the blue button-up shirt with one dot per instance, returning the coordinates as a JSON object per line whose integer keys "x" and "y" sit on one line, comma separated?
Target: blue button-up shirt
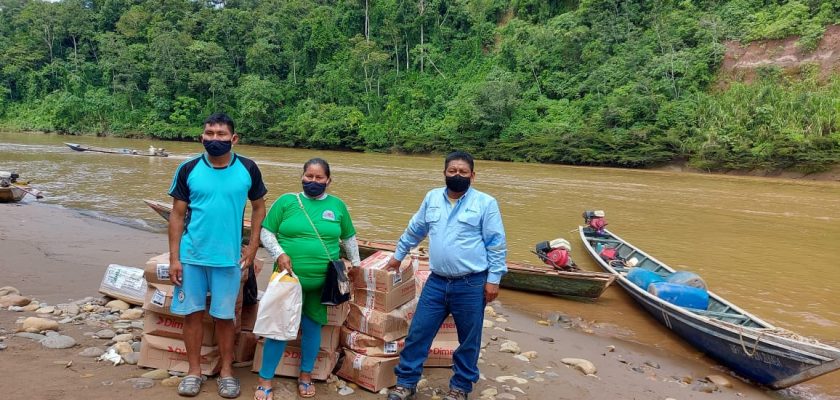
{"x": 464, "y": 238}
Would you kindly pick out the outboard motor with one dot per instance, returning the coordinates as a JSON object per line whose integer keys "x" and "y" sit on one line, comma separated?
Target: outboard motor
{"x": 556, "y": 253}
{"x": 595, "y": 221}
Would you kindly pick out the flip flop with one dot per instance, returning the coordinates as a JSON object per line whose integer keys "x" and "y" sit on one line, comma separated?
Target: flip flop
{"x": 266, "y": 393}
{"x": 190, "y": 386}
{"x": 303, "y": 389}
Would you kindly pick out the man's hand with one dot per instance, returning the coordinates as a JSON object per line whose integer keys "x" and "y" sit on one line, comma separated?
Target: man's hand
{"x": 491, "y": 291}
{"x": 246, "y": 257}
{"x": 393, "y": 265}
{"x": 284, "y": 263}
{"x": 175, "y": 272}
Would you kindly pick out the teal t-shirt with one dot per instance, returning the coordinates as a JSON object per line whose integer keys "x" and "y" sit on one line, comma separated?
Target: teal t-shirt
{"x": 300, "y": 242}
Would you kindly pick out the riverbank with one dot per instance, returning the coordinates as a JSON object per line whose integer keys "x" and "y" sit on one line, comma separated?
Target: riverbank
{"x": 57, "y": 255}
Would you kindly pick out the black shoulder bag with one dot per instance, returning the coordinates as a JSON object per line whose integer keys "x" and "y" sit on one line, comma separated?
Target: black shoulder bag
{"x": 337, "y": 285}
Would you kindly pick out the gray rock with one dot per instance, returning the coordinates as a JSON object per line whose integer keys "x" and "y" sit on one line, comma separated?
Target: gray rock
{"x": 136, "y": 346}
{"x": 58, "y": 342}
{"x": 125, "y": 337}
{"x": 110, "y": 318}
{"x": 719, "y": 380}
{"x": 51, "y": 333}
{"x": 509, "y": 347}
{"x": 585, "y": 366}
{"x": 157, "y": 374}
{"x": 505, "y": 396}
{"x": 140, "y": 383}
{"x": 652, "y": 364}
{"x": 45, "y": 310}
{"x": 121, "y": 325}
{"x": 16, "y": 308}
{"x": 3, "y": 346}
{"x": 131, "y": 358}
{"x": 7, "y": 290}
{"x": 70, "y": 310}
{"x": 136, "y": 324}
{"x": 34, "y": 336}
{"x": 704, "y": 387}
{"x": 547, "y": 339}
{"x": 92, "y": 352}
{"x": 105, "y": 334}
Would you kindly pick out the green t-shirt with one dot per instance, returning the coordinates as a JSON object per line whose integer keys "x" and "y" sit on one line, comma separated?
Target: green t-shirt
{"x": 301, "y": 244}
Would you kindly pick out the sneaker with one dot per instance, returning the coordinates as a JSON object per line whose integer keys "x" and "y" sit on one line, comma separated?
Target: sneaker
{"x": 401, "y": 393}
{"x": 455, "y": 394}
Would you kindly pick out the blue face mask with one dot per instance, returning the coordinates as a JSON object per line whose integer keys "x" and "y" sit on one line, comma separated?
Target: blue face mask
{"x": 314, "y": 189}
{"x": 217, "y": 148}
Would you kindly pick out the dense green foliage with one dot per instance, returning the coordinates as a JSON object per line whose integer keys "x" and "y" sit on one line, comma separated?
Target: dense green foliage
{"x": 599, "y": 82}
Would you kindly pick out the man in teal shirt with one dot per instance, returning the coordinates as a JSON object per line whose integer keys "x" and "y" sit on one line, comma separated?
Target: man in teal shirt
{"x": 467, "y": 251}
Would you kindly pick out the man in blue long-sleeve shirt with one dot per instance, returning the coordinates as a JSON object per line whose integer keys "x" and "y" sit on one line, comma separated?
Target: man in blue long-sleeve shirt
{"x": 467, "y": 252}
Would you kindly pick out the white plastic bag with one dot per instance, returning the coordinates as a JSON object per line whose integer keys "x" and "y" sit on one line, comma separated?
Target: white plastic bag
{"x": 279, "y": 312}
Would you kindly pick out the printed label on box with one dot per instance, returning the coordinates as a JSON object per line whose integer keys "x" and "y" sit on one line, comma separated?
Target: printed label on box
{"x": 163, "y": 272}
{"x": 159, "y": 298}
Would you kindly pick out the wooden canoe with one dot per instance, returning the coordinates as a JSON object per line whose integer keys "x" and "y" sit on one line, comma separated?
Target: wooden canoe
{"x": 130, "y": 152}
{"x": 523, "y": 277}
{"x": 11, "y": 194}
{"x": 752, "y": 348}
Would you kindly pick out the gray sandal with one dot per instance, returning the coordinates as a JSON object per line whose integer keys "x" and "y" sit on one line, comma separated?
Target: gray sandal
{"x": 190, "y": 386}
{"x": 228, "y": 387}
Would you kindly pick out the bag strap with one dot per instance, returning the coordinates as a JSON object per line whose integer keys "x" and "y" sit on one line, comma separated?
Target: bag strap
{"x": 302, "y": 208}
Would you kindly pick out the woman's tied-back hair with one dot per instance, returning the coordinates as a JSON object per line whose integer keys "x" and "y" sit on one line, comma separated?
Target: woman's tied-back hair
{"x": 459, "y": 155}
{"x": 318, "y": 161}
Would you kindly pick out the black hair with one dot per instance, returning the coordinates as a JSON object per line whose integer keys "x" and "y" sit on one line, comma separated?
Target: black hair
{"x": 459, "y": 155}
{"x": 318, "y": 161}
{"x": 220, "y": 118}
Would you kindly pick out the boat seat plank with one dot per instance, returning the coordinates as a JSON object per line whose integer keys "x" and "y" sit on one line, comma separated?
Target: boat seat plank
{"x": 719, "y": 315}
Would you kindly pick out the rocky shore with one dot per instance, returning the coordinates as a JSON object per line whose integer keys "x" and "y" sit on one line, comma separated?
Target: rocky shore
{"x": 68, "y": 342}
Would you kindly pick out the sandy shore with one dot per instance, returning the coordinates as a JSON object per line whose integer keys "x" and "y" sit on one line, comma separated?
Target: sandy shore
{"x": 57, "y": 255}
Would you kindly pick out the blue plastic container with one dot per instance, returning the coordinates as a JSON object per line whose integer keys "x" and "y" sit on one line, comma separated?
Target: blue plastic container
{"x": 643, "y": 277}
{"x": 680, "y": 295}
{"x": 686, "y": 278}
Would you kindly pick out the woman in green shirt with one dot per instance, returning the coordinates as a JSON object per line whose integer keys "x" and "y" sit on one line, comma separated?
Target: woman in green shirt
{"x": 290, "y": 239}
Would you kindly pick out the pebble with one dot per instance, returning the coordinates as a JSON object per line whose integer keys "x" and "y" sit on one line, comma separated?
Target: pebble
{"x": 58, "y": 342}
{"x": 157, "y": 375}
{"x": 585, "y": 366}
{"x": 509, "y": 346}
{"x": 500, "y": 319}
{"x": 530, "y": 354}
{"x": 132, "y": 314}
{"x": 488, "y": 324}
{"x": 705, "y": 387}
{"x": 7, "y": 290}
{"x": 3, "y": 346}
{"x": 121, "y": 325}
{"x": 51, "y": 333}
{"x": 136, "y": 346}
{"x": 32, "y": 306}
{"x": 122, "y": 348}
{"x": 173, "y": 381}
{"x": 117, "y": 305}
{"x": 610, "y": 349}
{"x": 45, "y": 310}
{"x": 422, "y": 384}
{"x": 539, "y": 379}
{"x": 552, "y": 374}
{"x": 547, "y": 339}
{"x": 544, "y": 322}
{"x": 34, "y": 336}
{"x": 494, "y": 338}
{"x": 652, "y": 364}
{"x": 35, "y": 324}
{"x": 13, "y": 300}
{"x": 489, "y": 311}
{"x": 520, "y": 357}
{"x": 16, "y": 308}
{"x": 105, "y": 334}
{"x": 516, "y": 379}
{"x": 131, "y": 358}
{"x": 69, "y": 309}
{"x": 136, "y": 324}
{"x": 719, "y": 380}
{"x": 489, "y": 392}
{"x": 140, "y": 383}
{"x": 506, "y": 396}
{"x": 517, "y": 390}
{"x": 91, "y": 352}
{"x": 345, "y": 391}
{"x": 125, "y": 337}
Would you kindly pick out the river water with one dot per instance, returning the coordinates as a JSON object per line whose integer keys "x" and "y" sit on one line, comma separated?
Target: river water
{"x": 768, "y": 245}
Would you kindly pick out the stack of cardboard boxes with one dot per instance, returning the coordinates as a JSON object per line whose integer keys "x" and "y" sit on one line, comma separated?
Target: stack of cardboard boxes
{"x": 163, "y": 346}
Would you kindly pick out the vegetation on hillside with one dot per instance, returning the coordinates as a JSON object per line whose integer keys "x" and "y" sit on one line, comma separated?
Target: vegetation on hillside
{"x": 594, "y": 82}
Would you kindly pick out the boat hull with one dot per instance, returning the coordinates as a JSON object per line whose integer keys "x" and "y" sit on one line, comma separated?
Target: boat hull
{"x": 11, "y": 194}
{"x": 756, "y": 354}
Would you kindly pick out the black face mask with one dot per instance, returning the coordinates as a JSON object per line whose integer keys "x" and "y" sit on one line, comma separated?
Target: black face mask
{"x": 217, "y": 148}
{"x": 457, "y": 183}
{"x": 314, "y": 189}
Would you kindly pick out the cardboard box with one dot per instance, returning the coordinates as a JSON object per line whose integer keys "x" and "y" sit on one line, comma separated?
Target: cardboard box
{"x": 173, "y": 327}
{"x": 157, "y": 269}
{"x": 447, "y": 331}
{"x": 386, "y": 326}
{"x": 386, "y": 301}
{"x": 374, "y": 276}
{"x": 249, "y": 316}
{"x": 171, "y": 354}
{"x": 124, "y": 283}
{"x": 440, "y": 354}
{"x": 290, "y": 362}
{"x": 336, "y": 315}
{"x": 371, "y": 373}
{"x": 369, "y": 345}
{"x": 330, "y": 337}
{"x": 244, "y": 347}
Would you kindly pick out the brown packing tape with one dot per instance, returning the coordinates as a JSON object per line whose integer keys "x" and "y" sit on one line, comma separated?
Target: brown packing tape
{"x": 290, "y": 362}
{"x": 173, "y": 327}
{"x": 371, "y": 373}
{"x": 171, "y": 354}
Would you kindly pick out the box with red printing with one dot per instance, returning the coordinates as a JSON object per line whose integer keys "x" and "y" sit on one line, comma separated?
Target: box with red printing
{"x": 440, "y": 354}
{"x": 373, "y": 275}
{"x": 371, "y": 373}
{"x": 369, "y": 345}
{"x": 385, "y": 301}
{"x": 290, "y": 362}
{"x": 336, "y": 315}
{"x": 171, "y": 354}
{"x": 172, "y": 326}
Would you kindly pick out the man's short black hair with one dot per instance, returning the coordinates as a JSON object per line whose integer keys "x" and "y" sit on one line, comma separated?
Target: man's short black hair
{"x": 459, "y": 155}
{"x": 220, "y": 118}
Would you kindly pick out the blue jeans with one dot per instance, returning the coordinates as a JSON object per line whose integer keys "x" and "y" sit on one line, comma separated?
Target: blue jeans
{"x": 463, "y": 297}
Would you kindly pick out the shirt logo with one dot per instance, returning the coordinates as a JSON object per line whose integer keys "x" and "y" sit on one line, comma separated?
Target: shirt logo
{"x": 328, "y": 215}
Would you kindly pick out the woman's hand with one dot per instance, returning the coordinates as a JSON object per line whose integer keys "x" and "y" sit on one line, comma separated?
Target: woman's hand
{"x": 284, "y": 263}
